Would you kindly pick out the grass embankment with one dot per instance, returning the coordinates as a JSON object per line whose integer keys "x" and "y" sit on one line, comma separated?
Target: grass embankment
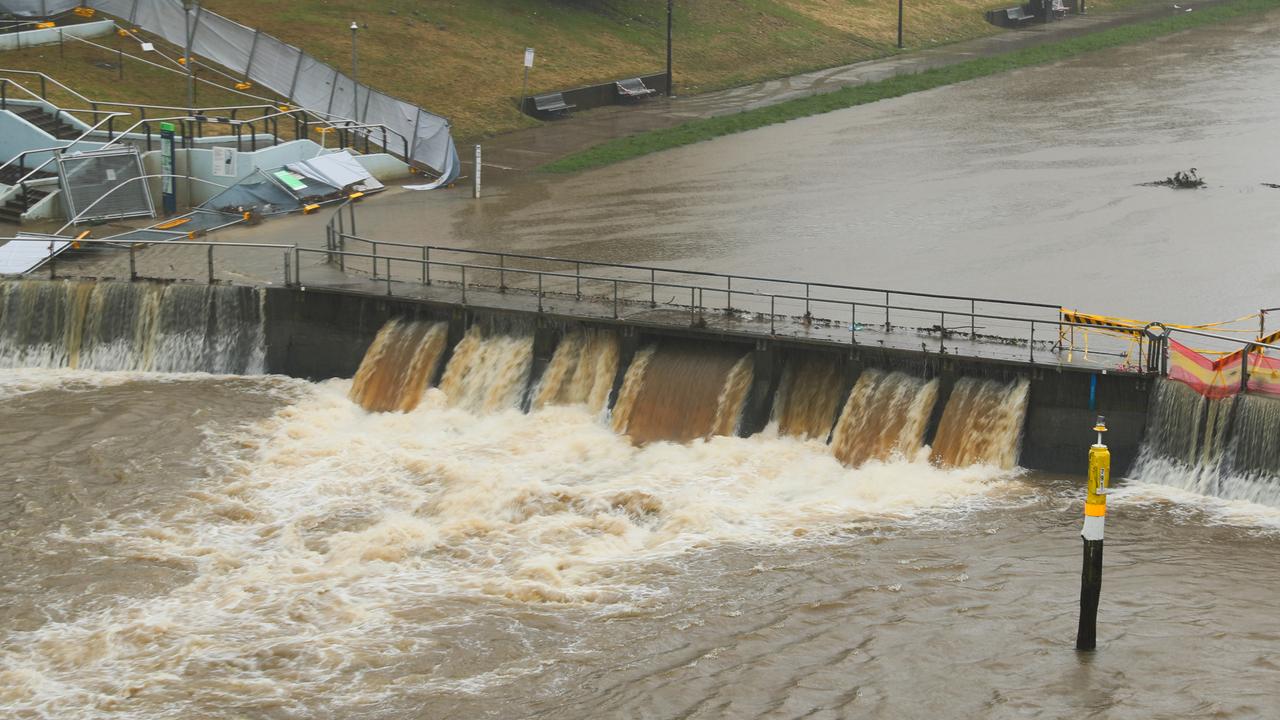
{"x": 462, "y": 58}
{"x": 705, "y": 129}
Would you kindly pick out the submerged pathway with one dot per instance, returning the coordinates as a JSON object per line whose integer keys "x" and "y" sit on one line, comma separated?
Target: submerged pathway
{"x": 526, "y": 150}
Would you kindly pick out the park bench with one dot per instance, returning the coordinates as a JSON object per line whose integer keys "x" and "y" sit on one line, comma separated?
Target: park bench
{"x": 1018, "y": 15}
{"x": 633, "y": 89}
{"x": 552, "y": 104}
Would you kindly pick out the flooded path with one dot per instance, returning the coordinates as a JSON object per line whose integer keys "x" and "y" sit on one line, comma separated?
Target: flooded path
{"x": 1022, "y": 185}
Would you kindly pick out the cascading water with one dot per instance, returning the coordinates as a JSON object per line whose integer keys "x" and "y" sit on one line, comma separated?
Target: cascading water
{"x": 982, "y": 424}
{"x": 581, "y": 371}
{"x": 131, "y": 326}
{"x": 681, "y": 393}
{"x": 808, "y": 397}
{"x": 398, "y": 366}
{"x": 488, "y": 372}
{"x": 886, "y": 415}
{"x": 1223, "y": 447}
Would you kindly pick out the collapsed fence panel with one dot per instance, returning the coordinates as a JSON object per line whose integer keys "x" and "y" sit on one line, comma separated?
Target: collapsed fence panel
{"x": 104, "y": 185}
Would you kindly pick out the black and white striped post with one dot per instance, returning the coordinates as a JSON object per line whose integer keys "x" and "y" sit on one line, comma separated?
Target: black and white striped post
{"x": 1095, "y": 518}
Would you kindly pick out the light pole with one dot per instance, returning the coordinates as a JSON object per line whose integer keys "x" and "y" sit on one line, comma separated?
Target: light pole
{"x": 191, "y": 69}
{"x": 355, "y": 75}
{"x": 671, "y": 87}
{"x": 899, "y": 24}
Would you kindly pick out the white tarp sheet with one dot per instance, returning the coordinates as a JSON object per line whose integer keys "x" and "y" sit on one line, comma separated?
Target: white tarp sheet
{"x": 339, "y": 170}
{"x": 17, "y": 258}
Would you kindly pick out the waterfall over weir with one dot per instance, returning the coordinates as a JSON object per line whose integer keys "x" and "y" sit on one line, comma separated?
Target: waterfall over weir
{"x": 886, "y": 415}
{"x": 982, "y": 424}
{"x": 808, "y": 396}
{"x": 399, "y": 364}
{"x": 681, "y": 393}
{"x": 581, "y": 371}
{"x": 131, "y": 326}
{"x": 1228, "y": 447}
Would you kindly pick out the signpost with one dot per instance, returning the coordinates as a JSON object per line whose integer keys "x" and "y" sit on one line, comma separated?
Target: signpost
{"x": 524, "y": 87}
{"x": 168, "y": 162}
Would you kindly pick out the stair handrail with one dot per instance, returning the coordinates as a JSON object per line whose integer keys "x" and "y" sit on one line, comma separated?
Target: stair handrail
{"x": 60, "y": 148}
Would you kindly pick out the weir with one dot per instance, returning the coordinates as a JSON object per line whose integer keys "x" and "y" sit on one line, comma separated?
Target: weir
{"x": 651, "y": 382}
{"x": 1228, "y": 447}
{"x": 173, "y": 327}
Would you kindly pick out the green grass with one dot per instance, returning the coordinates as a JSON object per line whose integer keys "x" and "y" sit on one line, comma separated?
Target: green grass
{"x": 705, "y": 129}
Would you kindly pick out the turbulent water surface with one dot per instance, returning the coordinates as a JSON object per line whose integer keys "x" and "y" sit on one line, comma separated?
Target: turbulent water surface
{"x": 199, "y": 546}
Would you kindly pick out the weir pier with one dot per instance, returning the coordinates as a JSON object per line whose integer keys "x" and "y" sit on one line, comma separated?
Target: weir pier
{"x": 927, "y": 366}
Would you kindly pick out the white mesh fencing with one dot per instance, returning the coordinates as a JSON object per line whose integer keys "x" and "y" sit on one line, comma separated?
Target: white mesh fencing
{"x": 282, "y": 68}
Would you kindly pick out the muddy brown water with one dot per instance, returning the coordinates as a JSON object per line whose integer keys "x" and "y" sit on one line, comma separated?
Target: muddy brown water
{"x": 227, "y": 548}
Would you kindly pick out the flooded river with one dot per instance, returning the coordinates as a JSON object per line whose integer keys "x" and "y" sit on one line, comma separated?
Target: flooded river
{"x": 1021, "y": 185}
{"x": 208, "y": 546}
{"x": 187, "y": 546}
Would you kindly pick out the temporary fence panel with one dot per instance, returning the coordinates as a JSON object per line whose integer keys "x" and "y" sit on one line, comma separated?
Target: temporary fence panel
{"x": 104, "y": 184}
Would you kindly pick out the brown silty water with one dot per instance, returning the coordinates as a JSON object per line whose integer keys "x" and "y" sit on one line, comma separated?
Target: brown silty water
{"x": 808, "y": 397}
{"x": 581, "y": 371}
{"x": 885, "y": 415}
{"x": 680, "y": 392}
{"x": 399, "y": 365}
{"x": 488, "y": 371}
{"x": 981, "y": 424}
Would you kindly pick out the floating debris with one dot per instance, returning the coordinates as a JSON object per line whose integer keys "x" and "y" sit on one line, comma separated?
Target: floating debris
{"x": 1180, "y": 180}
{"x": 1271, "y": 185}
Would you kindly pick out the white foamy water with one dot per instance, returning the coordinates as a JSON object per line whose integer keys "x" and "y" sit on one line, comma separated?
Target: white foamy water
{"x": 330, "y": 538}
{"x": 1215, "y": 510}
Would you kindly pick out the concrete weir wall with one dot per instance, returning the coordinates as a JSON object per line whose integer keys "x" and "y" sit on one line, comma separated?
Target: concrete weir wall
{"x": 320, "y": 334}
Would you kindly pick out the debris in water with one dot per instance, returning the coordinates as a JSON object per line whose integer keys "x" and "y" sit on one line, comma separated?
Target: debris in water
{"x": 1180, "y": 180}
{"x": 1271, "y": 185}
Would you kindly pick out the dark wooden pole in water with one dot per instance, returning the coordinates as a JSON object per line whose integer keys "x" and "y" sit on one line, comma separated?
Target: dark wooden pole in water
{"x": 1095, "y": 517}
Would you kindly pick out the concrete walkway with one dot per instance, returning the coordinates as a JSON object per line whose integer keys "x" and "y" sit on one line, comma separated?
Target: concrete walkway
{"x": 526, "y": 150}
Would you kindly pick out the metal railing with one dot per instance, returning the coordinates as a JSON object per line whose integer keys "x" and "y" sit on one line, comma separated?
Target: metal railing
{"x": 659, "y": 297}
{"x": 349, "y": 132}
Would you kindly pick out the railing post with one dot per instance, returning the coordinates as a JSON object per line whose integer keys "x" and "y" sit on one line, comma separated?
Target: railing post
{"x": 653, "y": 299}
{"x": 297, "y": 267}
{"x": 53, "y": 274}
{"x": 773, "y": 308}
{"x": 287, "y": 274}
{"x": 615, "y": 299}
{"x": 388, "y": 275}
{"x": 887, "y": 326}
{"x": 942, "y": 335}
{"x": 342, "y": 252}
{"x": 502, "y": 273}
{"x": 853, "y": 323}
{"x": 133, "y": 263}
{"x": 693, "y": 317}
{"x": 577, "y": 278}
{"x": 464, "y": 284}
{"x": 424, "y": 265}
{"x": 728, "y": 301}
{"x": 426, "y": 256}
{"x": 806, "y": 300}
{"x": 539, "y": 292}
{"x": 352, "y": 205}
{"x": 1032, "y": 343}
{"x": 1244, "y": 367}
{"x": 973, "y": 319}
{"x": 373, "y": 261}
{"x": 210, "y": 259}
